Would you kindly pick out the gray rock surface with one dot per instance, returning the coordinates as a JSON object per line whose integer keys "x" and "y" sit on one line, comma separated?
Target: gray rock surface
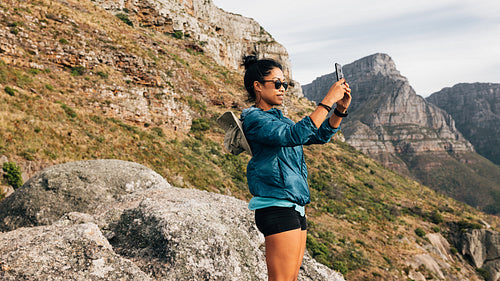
{"x": 135, "y": 226}
{"x": 58, "y": 252}
{"x": 482, "y": 247}
{"x": 79, "y": 186}
{"x": 476, "y": 110}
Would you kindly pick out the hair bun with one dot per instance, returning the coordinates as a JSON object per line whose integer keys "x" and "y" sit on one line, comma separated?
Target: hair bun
{"x": 249, "y": 60}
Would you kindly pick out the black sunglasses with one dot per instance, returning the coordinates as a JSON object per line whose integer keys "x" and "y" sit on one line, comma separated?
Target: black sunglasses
{"x": 277, "y": 84}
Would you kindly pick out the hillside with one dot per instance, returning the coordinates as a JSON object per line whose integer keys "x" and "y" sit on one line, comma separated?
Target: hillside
{"x": 79, "y": 83}
{"x": 408, "y": 134}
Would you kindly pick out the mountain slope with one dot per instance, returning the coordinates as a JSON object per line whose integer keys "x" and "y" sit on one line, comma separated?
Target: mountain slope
{"x": 389, "y": 122}
{"x": 476, "y": 110}
{"x": 77, "y": 82}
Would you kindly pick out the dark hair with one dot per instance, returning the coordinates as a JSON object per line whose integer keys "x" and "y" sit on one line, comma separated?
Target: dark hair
{"x": 256, "y": 70}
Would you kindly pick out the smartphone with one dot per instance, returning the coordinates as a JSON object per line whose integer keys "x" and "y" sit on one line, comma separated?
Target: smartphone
{"x": 338, "y": 71}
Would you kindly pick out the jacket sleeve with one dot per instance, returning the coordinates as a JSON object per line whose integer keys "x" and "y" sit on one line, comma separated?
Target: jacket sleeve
{"x": 324, "y": 133}
{"x": 269, "y": 130}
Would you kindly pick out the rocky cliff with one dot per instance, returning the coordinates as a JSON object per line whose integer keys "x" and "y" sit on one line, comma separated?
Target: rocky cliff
{"x": 476, "y": 111}
{"x": 118, "y": 220}
{"x": 402, "y": 130}
{"x": 225, "y": 36}
{"x": 481, "y": 247}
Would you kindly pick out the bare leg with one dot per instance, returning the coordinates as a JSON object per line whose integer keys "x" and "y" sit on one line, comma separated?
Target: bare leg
{"x": 284, "y": 253}
{"x": 302, "y": 250}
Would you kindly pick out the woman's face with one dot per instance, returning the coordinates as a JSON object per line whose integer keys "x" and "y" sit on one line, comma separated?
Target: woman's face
{"x": 266, "y": 93}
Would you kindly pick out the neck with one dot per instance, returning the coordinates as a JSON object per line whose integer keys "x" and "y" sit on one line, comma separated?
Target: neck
{"x": 263, "y": 105}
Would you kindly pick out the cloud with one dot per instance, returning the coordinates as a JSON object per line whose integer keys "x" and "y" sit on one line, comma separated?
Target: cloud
{"x": 434, "y": 43}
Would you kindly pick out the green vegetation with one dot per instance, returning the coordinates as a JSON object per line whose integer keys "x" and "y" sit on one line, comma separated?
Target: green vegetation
{"x": 77, "y": 70}
{"x": 10, "y": 91}
{"x": 124, "y": 17}
{"x": 12, "y": 174}
{"x": 102, "y": 74}
{"x": 178, "y": 34}
{"x": 420, "y": 232}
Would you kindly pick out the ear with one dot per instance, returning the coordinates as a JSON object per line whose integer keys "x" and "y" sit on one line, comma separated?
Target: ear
{"x": 257, "y": 86}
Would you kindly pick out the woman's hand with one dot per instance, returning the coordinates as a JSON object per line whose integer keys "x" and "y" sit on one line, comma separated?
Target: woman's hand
{"x": 345, "y": 101}
{"x": 339, "y": 93}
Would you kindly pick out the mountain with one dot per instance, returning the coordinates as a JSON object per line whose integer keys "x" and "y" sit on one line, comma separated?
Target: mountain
{"x": 402, "y": 130}
{"x": 79, "y": 82}
{"x": 476, "y": 110}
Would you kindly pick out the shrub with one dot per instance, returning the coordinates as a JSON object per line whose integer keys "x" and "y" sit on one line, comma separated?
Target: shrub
{"x": 103, "y": 74}
{"x": 12, "y": 174}
{"x": 484, "y": 273}
{"x": 420, "y": 232}
{"x": 34, "y": 71}
{"x": 200, "y": 124}
{"x": 77, "y": 70}
{"x": 10, "y": 91}
{"x": 178, "y": 34}
{"x": 124, "y": 17}
{"x": 340, "y": 267}
{"x": 436, "y": 217}
{"x": 69, "y": 111}
{"x": 63, "y": 41}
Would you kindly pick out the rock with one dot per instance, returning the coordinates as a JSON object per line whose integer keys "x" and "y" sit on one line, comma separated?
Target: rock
{"x": 192, "y": 235}
{"x": 55, "y": 252}
{"x": 429, "y": 263}
{"x": 476, "y": 110}
{"x": 224, "y": 36}
{"x": 481, "y": 247}
{"x": 180, "y": 237}
{"x": 79, "y": 186}
{"x": 154, "y": 230}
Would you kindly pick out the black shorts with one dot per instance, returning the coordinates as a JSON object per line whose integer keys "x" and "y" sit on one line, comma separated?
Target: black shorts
{"x": 272, "y": 220}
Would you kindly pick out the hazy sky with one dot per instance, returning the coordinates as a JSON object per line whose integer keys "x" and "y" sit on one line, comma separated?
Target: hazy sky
{"x": 434, "y": 43}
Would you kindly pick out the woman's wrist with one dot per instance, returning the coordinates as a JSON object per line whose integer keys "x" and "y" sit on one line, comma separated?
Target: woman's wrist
{"x": 341, "y": 109}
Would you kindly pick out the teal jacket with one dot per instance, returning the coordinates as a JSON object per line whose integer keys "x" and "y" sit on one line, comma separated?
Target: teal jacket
{"x": 277, "y": 168}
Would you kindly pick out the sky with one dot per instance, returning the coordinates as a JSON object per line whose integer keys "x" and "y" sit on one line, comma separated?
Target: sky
{"x": 434, "y": 43}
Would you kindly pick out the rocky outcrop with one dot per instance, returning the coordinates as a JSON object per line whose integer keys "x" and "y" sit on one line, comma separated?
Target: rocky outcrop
{"x": 117, "y": 220}
{"x": 80, "y": 186}
{"x": 60, "y": 252}
{"x": 475, "y": 108}
{"x": 225, "y": 36}
{"x": 386, "y": 115}
{"x": 481, "y": 247}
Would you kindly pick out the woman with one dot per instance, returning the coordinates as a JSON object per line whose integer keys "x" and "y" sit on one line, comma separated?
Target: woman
{"x": 277, "y": 172}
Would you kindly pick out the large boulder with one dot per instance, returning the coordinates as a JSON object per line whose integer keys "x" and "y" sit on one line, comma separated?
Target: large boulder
{"x": 481, "y": 247}
{"x": 62, "y": 252}
{"x": 79, "y": 186}
{"x": 134, "y": 217}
